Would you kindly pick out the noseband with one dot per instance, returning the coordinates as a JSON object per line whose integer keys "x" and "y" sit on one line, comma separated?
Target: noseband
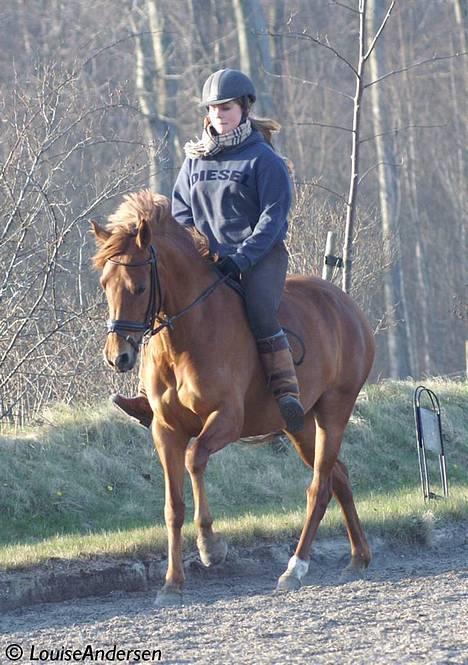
{"x": 118, "y": 326}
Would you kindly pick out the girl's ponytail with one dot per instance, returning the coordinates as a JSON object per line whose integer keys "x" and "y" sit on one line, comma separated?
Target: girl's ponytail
{"x": 266, "y": 126}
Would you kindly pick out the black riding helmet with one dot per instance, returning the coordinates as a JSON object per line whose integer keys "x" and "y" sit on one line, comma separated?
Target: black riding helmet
{"x": 226, "y": 85}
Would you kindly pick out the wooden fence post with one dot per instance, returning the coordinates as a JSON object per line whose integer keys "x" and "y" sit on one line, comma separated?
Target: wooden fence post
{"x": 331, "y": 261}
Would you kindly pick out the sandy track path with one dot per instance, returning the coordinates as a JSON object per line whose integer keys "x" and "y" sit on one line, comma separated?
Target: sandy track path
{"x": 412, "y": 607}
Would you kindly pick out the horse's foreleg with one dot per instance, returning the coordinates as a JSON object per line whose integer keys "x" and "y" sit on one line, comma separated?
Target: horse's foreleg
{"x": 360, "y": 551}
{"x": 220, "y": 428}
{"x": 212, "y": 548}
{"x": 171, "y": 449}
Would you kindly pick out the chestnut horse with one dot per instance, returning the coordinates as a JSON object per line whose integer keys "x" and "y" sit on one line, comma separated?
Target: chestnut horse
{"x": 203, "y": 376}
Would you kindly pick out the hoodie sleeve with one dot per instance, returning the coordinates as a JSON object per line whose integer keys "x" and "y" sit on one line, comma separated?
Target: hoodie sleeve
{"x": 181, "y": 205}
{"x": 274, "y": 194}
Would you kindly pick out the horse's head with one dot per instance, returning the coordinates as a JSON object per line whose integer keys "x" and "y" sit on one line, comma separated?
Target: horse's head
{"x": 127, "y": 260}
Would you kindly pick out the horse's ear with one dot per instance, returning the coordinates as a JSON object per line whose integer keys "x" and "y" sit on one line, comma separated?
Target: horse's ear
{"x": 101, "y": 234}
{"x": 143, "y": 237}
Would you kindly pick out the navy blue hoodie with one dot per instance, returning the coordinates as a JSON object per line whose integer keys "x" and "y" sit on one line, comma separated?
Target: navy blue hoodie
{"x": 239, "y": 198}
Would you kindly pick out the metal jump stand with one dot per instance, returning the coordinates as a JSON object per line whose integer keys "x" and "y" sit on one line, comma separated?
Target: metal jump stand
{"x": 429, "y": 438}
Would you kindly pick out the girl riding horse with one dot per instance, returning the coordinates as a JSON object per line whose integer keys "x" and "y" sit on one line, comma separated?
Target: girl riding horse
{"x": 235, "y": 189}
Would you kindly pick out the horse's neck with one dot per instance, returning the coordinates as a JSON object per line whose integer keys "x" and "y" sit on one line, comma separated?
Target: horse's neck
{"x": 184, "y": 275}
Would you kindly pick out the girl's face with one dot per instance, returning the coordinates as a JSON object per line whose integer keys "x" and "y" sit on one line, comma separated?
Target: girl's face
{"x": 225, "y": 117}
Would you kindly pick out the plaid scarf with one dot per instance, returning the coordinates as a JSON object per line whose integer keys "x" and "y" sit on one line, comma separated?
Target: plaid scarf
{"x": 210, "y": 144}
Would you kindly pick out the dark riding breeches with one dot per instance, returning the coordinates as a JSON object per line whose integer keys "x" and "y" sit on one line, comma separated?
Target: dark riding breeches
{"x": 263, "y": 286}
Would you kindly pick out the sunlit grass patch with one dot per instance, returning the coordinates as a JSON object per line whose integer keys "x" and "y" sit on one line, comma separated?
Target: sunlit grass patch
{"x": 402, "y": 516}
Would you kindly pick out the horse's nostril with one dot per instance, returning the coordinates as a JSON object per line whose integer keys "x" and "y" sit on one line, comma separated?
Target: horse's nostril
{"x": 122, "y": 361}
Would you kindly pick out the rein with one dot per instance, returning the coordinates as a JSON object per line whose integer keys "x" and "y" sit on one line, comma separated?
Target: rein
{"x": 152, "y": 316}
{"x": 154, "y": 305}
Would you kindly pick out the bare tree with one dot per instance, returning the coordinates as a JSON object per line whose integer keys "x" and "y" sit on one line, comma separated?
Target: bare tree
{"x": 254, "y": 49}
{"x": 42, "y": 296}
{"x": 156, "y": 93}
{"x": 389, "y": 197}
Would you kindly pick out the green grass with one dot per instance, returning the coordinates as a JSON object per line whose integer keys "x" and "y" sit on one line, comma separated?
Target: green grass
{"x": 87, "y": 483}
{"x": 403, "y": 517}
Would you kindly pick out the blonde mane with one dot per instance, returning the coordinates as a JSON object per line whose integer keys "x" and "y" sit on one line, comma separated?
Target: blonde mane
{"x": 156, "y": 210}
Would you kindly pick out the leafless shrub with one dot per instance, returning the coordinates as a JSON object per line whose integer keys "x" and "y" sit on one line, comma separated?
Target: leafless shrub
{"x": 48, "y": 299}
{"x": 311, "y": 219}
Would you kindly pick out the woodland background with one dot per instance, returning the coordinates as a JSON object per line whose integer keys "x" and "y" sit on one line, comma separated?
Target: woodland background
{"x": 98, "y": 98}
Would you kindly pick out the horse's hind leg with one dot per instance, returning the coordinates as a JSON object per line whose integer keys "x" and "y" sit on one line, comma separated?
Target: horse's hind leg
{"x": 360, "y": 551}
{"x": 319, "y": 493}
{"x": 332, "y": 412}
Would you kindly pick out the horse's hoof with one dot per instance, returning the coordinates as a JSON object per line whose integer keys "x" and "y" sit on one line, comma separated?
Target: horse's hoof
{"x": 214, "y": 553}
{"x": 288, "y": 582}
{"x": 168, "y": 598}
{"x": 353, "y": 572}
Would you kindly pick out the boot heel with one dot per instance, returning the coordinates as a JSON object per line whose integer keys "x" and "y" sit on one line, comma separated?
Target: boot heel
{"x": 137, "y": 408}
{"x": 292, "y": 412}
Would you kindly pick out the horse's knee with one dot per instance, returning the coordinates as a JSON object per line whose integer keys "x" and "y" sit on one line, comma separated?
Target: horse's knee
{"x": 196, "y": 458}
{"x": 174, "y": 514}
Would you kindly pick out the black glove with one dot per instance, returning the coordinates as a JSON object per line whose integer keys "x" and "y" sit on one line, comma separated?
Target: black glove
{"x": 229, "y": 267}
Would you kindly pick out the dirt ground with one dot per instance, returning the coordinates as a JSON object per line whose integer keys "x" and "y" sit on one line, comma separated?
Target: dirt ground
{"x": 412, "y": 607}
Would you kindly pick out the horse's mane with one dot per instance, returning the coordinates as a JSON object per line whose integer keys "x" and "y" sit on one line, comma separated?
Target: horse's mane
{"x": 156, "y": 210}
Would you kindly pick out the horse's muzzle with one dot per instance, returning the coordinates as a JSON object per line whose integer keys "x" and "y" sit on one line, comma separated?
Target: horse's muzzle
{"x": 120, "y": 355}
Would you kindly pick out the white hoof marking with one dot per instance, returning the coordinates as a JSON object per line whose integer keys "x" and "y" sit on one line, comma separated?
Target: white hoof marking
{"x": 297, "y": 567}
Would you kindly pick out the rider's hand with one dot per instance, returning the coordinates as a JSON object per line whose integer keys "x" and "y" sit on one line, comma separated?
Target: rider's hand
{"x": 227, "y": 266}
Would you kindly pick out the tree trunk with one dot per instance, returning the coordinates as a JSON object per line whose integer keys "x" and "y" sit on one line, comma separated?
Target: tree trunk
{"x": 254, "y": 50}
{"x": 459, "y": 104}
{"x": 153, "y": 95}
{"x": 144, "y": 64}
{"x": 399, "y": 363}
{"x": 419, "y": 333}
{"x": 165, "y": 89}
{"x": 354, "y": 176}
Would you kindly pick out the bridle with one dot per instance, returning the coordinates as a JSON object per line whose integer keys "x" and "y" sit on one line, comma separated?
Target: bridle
{"x": 119, "y": 326}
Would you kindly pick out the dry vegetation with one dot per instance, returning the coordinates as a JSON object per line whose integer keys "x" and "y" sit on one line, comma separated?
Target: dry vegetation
{"x": 112, "y": 117}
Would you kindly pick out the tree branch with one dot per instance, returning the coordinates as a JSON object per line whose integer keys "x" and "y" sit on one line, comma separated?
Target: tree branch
{"x": 395, "y": 130}
{"x": 341, "y": 4}
{"x": 327, "y": 189}
{"x": 304, "y": 35}
{"x": 434, "y": 58}
{"x": 306, "y": 82}
{"x": 374, "y": 166}
{"x": 322, "y": 124}
{"x": 380, "y": 30}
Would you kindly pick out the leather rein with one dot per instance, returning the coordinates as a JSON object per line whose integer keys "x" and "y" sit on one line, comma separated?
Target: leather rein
{"x": 119, "y": 326}
{"x": 152, "y": 316}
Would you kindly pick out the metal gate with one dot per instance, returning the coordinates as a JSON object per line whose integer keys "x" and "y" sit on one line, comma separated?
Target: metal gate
{"x": 429, "y": 438}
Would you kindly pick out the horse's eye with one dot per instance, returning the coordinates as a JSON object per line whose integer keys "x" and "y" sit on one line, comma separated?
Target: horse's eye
{"x": 140, "y": 290}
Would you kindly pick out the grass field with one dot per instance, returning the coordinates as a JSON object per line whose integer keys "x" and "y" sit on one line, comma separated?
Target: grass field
{"x": 86, "y": 483}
